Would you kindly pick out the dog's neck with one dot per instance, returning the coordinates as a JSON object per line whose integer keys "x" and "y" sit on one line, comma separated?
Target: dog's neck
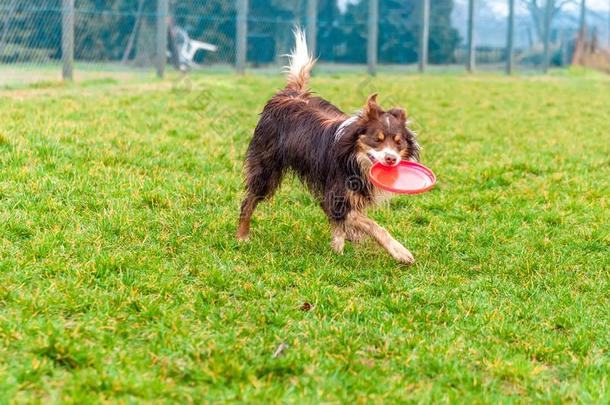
{"x": 343, "y": 127}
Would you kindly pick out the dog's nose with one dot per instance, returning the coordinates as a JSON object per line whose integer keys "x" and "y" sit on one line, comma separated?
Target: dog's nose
{"x": 390, "y": 160}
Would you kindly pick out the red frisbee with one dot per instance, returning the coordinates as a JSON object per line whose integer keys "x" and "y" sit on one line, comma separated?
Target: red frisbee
{"x": 404, "y": 178}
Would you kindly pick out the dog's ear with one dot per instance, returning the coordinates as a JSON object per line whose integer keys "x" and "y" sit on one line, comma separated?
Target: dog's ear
{"x": 399, "y": 114}
{"x": 371, "y": 110}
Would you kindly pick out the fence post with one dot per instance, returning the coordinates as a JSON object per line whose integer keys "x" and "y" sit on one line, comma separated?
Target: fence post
{"x": 583, "y": 19}
{"x": 67, "y": 39}
{"x": 162, "y": 16}
{"x": 424, "y": 35}
{"x": 510, "y": 40}
{"x": 241, "y": 45}
{"x": 564, "y": 48}
{"x": 312, "y": 26}
{"x": 547, "y": 35}
{"x": 470, "y": 64}
{"x": 373, "y": 36}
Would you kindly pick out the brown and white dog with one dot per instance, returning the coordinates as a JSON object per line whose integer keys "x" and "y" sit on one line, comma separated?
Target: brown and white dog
{"x": 330, "y": 151}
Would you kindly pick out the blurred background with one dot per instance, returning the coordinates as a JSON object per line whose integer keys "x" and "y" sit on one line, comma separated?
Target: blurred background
{"x": 42, "y": 40}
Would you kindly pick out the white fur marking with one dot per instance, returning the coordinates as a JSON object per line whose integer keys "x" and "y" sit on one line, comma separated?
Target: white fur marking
{"x": 380, "y": 155}
{"x": 300, "y": 57}
{"x": 382, "y": 196}
{"x": 341, "y": 130}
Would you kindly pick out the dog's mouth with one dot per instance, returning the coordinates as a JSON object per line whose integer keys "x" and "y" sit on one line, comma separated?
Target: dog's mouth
{"x": 374, "y": 159}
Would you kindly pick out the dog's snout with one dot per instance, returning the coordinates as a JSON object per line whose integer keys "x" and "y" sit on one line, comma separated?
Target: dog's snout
{"x": 390, "y": 159}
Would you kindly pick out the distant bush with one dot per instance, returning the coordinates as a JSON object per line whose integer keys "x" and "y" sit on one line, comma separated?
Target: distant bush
{"x": 15, "y": 53}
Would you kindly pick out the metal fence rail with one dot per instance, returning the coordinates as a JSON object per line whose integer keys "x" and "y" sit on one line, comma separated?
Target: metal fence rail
{"x": 131, "y": 35}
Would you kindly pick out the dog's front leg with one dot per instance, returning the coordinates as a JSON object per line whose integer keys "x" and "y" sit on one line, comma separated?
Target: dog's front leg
{"x": 354, "y": 235}
{"x": 338, "y": 242}
{"x": 383, "y": 237}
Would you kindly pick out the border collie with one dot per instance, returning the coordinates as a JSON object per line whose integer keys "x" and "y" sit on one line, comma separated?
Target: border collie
{"x": 330, "y": 151}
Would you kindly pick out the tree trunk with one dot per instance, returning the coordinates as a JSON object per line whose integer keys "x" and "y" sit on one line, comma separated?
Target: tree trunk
{"x": 548, "y": 16}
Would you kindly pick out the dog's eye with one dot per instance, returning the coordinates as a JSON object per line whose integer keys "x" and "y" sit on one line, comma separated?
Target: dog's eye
{"x": 398, "y": 139}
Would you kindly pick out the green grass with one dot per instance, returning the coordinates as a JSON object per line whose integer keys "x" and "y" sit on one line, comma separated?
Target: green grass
{"x": 121, "y": 280}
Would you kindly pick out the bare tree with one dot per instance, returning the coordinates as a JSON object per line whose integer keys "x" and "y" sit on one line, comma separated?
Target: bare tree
{"x": 537, "y": 9}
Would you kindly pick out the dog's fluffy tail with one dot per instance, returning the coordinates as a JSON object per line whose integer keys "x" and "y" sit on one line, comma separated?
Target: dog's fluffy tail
{"x": 301, "y": 63}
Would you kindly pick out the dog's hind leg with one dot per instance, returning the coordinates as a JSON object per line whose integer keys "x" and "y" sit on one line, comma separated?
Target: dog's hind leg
{"x": 261, "y": 183}
{"x": 247, "y": 208}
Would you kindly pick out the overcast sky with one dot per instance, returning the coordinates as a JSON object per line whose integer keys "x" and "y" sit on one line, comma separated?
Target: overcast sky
{"x": 491, "y": 28}
{"x": 500, "y": 6}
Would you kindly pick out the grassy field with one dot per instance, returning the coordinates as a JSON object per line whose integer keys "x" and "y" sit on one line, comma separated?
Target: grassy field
{"x": 121, "y": 280}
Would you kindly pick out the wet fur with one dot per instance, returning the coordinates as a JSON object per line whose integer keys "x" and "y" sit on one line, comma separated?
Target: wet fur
{"x": 297, "y": 132}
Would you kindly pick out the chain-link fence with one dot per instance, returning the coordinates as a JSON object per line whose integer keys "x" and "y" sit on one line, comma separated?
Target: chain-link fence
{"x": 124, "y": 38}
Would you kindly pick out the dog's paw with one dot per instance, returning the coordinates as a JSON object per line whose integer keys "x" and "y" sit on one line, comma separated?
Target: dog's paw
{"x": 400, "y": 253}
{"x": 243, "y": 237}
{"x": 337, "y": 244}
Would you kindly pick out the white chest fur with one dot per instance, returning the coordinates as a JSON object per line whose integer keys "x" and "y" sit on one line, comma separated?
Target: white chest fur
{"x": 382, "y": 196}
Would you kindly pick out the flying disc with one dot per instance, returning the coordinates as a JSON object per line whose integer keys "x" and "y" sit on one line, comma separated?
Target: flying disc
{"x": 404, "y": 178}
